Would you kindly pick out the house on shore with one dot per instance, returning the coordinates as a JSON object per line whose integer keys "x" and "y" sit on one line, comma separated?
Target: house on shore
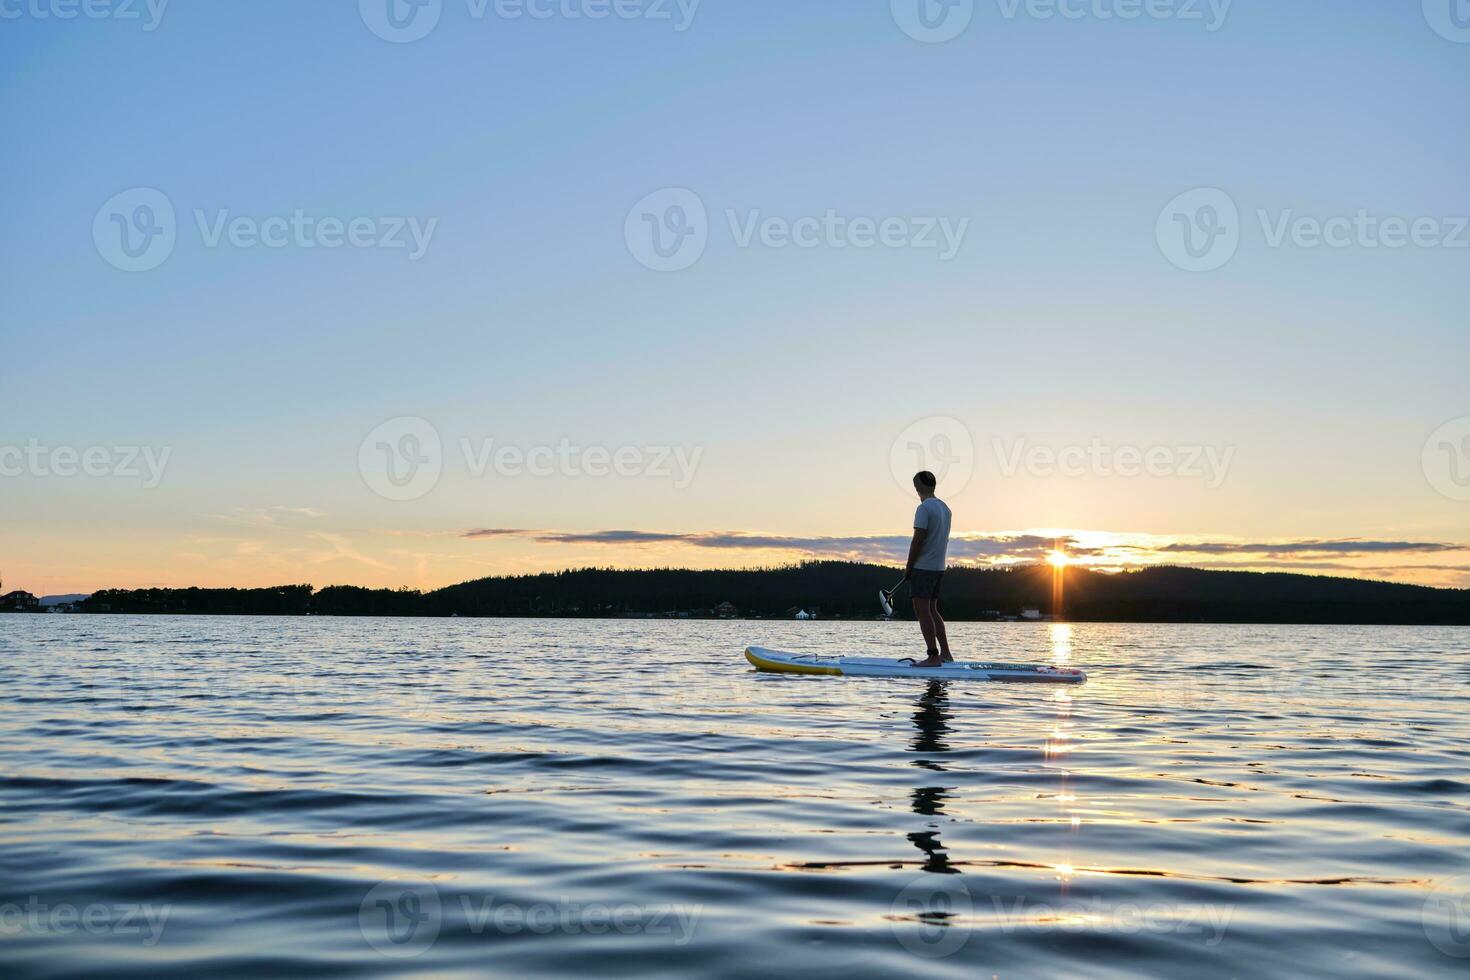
{"x": 19, "y": 602}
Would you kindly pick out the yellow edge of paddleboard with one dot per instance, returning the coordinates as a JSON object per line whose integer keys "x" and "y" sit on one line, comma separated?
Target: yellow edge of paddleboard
{"x": 776, "y": 667}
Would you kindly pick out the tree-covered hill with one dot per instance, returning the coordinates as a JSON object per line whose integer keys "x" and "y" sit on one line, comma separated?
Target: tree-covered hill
{"x": 843, "y": 590}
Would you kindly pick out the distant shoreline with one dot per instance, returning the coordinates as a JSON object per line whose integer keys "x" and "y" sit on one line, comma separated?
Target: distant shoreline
{"x": 843, "y": 591}
{"x": 752, "y": 619}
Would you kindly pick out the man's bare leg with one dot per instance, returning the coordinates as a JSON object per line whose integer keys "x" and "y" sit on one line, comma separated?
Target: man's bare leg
{"x": 939, "y": 633}
{"x": 924, "y": 613}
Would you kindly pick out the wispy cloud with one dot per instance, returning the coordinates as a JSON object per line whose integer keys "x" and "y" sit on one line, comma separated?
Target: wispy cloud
{"x": 1340, "y": 566}
{"x": 269, "y": 517}
{"x": 341, "y": 548}
{"x": 1107, "y": 551}
{"x": 978, "y": 548}
{"x": 490, "y": 532}
{"x": 1346, "y": 546}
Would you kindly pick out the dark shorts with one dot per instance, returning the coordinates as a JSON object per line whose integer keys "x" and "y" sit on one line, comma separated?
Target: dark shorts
{"x": 925, "y": 583}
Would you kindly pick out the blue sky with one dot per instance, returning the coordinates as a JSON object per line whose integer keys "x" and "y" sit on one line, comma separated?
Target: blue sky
{"x": 528, "y": 319}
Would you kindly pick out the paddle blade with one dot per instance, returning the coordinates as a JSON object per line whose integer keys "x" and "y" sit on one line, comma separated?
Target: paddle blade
{"x": 884, "y": 600}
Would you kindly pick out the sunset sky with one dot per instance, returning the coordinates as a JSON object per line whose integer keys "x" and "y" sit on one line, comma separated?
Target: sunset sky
{"x": 417, "y": 315}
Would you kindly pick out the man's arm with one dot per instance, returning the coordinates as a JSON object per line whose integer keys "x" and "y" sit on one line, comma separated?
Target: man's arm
{"x": 915, "y": 546}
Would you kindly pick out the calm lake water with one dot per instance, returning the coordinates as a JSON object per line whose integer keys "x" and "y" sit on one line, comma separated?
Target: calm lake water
{"x": 191, "y": 797}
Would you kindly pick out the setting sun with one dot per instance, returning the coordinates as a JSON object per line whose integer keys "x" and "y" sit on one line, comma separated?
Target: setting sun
{"x": 1058, "y": 559}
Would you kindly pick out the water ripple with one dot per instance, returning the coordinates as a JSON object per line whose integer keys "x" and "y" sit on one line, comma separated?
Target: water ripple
{"x": 261, "y": 797}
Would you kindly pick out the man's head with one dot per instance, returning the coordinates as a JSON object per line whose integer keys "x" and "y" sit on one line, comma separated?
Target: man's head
{"x": 924, "y": 483}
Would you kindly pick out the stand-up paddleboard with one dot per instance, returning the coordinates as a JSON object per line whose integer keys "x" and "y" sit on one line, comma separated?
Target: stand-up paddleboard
{"x": 808, "y": 663}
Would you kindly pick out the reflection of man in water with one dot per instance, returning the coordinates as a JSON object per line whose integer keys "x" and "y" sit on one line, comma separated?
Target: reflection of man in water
{"x": 932, "y": 721}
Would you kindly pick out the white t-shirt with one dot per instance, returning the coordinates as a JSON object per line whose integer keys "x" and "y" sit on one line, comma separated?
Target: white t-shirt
{"x": 932, "y": 516}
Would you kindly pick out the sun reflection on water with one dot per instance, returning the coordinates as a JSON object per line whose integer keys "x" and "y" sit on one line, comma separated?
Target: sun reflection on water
{"x": 1061, "y": 643}
{"x": 1059, "y": 744}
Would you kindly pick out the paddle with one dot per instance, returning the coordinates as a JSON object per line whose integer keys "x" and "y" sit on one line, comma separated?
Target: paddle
{"x": 885, "y": 597}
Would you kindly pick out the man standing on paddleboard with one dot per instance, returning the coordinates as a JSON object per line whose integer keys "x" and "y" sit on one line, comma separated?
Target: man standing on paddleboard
{"x": 925, "y": 569}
